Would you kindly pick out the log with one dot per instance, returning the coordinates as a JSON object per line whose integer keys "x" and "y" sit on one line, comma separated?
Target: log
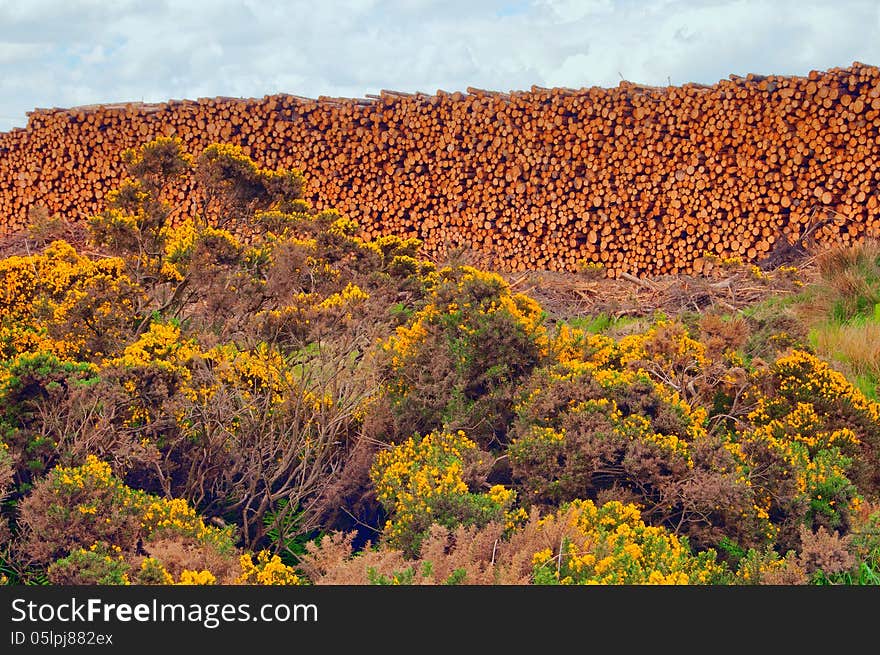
{"x": 643, "y": 179}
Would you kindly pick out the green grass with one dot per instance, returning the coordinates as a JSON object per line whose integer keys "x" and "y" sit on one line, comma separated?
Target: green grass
{"x": 774, "y": 324}
{"x": 775, "y": 305}
{"x": 603, "y": 323}
{"x": 851, "y": 282}
{"x": 867, "y": 573}
{"x": 592, "y": 324}
{"x": 868, "y": 384}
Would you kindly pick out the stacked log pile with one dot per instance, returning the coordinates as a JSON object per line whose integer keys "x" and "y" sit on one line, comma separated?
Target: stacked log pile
{"x": 644, "y": 180}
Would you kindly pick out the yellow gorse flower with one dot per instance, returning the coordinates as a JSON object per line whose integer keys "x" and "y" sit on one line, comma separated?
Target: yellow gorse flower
{"x": 612, "y": 545}
{"x": 267, "y": 570}
{"x": 203, "y": 577}
{"x": 417, "y": 480}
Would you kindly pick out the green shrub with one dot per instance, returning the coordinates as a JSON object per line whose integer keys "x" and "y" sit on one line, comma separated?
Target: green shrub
{"x": 455, "y": 365}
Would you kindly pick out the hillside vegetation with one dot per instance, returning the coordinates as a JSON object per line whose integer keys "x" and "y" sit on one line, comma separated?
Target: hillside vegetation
{"x": 267, "y": 398}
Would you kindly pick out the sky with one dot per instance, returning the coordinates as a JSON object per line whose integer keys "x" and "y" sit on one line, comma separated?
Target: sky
{"x": 74, "y": 52}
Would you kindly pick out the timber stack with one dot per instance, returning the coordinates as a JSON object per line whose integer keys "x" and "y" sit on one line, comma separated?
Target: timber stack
{"x": 643, "y": 180}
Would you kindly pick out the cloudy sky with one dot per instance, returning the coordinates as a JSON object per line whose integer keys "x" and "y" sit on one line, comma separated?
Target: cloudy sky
{"x": 62, "y": 53}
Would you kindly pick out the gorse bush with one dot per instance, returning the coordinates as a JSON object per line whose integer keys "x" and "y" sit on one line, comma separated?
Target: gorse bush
{"x": 595, "y": 432}
{"x": 611, "y": 545}
{"x": 88, "y": 504}
{"x": 61, "y": 302}
{"x": 801, "y": 380}
{"x": 421, "y": 482}
{"x": 257, "y": 395}
{"x": 31, "y": 386}
{"x": 180, "y": 394}
{"x": 99, "y": 565}
{"x": 455, "y": 365}
{"x": 134, "y": 536}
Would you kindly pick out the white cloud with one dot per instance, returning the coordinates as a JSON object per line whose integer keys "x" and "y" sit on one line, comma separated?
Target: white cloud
{"x": 62, "y": 53}
{"x": 14, "y": 53}
{"x": 571, "y": 10}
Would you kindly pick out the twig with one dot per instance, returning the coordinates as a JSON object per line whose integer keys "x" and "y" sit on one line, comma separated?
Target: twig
{"x": 359, "y": 522}
{"x": 639, "y": 281}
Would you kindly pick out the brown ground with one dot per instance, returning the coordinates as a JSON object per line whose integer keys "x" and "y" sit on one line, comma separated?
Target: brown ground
{"x": 725, "y": 288}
